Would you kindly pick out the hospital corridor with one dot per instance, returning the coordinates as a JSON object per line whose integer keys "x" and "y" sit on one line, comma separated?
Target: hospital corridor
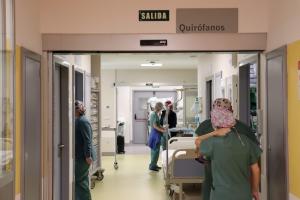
{"x": 131, "y": 182}
{"x": 149, "y": 100}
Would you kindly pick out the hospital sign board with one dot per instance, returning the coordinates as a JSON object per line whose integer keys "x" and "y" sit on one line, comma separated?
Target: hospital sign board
{"x": 207, "y": 20}
{"x": 154, "y": 15}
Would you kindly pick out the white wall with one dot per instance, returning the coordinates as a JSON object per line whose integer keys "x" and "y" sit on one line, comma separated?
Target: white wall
{"x": 81, "y": 62}
{"x": 283, "y": 23}
{"x": 208, "y": 66}
{"x": 124, "y": 106}
{"x": 27, "y": 23}
{"x": 165, "y": 77}
{"x": 115, "y": 16}
{"x": 108, "y": 98}
{"x": 133, "y": 78}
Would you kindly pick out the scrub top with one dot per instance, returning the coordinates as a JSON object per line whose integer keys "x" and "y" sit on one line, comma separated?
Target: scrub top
{"x": 154, "y": 118}
{"x": 206, "y": 127}
{"x": 231, "y": 157}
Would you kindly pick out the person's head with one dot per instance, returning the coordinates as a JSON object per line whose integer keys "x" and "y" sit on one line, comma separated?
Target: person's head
{"x": 168, "y": 103}
{"x": 158, "y": 106}
{"x": 222, "y": 113}
{"x": 79, "y": 108}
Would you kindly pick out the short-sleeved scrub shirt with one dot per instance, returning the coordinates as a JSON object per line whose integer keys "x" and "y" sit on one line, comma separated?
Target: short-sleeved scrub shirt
{"x": 206, "y": 127}
{"x": 154, "y": 119}
{"x": 231, "y": 157}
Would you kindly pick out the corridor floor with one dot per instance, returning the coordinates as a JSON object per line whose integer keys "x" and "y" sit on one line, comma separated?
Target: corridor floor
{"x": 132, "y": 181}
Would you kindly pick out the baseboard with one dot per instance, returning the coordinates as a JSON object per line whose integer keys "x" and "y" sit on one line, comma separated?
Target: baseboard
{"x": 293, "y": 197}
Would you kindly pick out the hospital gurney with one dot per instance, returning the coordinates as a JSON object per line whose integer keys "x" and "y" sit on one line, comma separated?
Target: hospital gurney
{"x": 179, "y": 165}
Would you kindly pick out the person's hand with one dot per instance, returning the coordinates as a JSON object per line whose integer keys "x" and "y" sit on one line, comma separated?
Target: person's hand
{"x": 197, "y": 152}
{"x": 222, "y": 131}
{"x": 197, "y": 142}
{"x": 89, "y": 160}
{"x": 255, "y": 195}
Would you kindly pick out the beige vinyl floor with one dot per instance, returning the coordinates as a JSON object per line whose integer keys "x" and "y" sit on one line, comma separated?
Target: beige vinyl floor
{"x": 132, "y": 181}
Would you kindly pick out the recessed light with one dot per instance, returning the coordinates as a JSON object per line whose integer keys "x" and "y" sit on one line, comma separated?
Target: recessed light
{"x": 151, "y": 64}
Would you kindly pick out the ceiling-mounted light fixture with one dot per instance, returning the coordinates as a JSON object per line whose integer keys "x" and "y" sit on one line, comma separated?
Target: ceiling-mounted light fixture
{"x": 151, "y": 64}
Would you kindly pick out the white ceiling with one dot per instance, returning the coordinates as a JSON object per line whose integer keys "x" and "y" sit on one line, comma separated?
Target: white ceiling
{"x": 134, "y": 60}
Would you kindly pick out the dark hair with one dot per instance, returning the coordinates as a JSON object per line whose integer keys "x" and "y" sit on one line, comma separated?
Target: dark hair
{"x": 80, "y": 107}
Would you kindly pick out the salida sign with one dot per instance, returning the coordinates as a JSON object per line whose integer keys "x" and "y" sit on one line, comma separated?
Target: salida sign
{"x": 154, "y": 15}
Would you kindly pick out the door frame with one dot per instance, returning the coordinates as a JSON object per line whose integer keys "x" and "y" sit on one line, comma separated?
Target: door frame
{"x": 282, "y": 51}
{"x": 209, "y": 79}
{"x": 129, "y": 43}
{"x": 132, "y": 101}
{"x": 56, "y": 60}
{"x": 27, "y": 53}
{"x": 256, "y": 59}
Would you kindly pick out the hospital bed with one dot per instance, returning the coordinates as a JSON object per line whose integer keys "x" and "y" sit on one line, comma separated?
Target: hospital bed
{"x": 179, "y": 165}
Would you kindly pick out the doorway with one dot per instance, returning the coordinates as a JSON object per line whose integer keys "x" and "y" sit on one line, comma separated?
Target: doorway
{"x": 141, "y": 110}
{"x": 79, "y": 85}
{"x": 31, "y": 162}
{"x": 277, "y": 125}
{"x": 249, "y": 103}
{"x": 62, "y": 132}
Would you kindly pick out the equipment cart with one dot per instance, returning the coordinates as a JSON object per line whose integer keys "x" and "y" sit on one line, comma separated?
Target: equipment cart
{"x": 115, "y": 130}
{"x": 96, "y": 172}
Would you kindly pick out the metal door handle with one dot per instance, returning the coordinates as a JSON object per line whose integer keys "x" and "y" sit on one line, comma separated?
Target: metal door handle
{"x": 135, "y": 116}
{"x": 61, "y": 146}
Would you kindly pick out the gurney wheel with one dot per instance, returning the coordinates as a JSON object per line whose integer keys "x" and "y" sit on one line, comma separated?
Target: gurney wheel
{"x": 100, "y": 176}
{"x": 171, "y": 193}
{"x": 116, "y": 165}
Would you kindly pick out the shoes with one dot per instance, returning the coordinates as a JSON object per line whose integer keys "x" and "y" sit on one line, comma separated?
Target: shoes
{"x": 154, "y": 169}
{"x": 157, "y": 167}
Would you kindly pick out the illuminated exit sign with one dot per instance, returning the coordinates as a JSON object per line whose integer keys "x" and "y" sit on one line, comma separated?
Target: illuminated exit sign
{"x": 154, "y": 15}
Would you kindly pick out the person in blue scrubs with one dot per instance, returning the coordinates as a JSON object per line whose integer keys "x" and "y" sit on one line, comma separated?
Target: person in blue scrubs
{"x": 84, "y": 153}
{"x": 155, "y": 136}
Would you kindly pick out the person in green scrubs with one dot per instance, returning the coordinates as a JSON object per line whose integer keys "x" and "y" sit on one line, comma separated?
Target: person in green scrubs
{"x": 155, "y": 136}
{"x": 84, "y": 153}
{"x": 238, "y": 146}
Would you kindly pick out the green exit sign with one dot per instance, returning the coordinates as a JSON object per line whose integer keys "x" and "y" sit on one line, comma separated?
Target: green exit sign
{"x": 154, "y": 15}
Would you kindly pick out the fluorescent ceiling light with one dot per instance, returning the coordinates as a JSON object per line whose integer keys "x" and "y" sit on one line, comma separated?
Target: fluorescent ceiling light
{"x": 151, "y": 65}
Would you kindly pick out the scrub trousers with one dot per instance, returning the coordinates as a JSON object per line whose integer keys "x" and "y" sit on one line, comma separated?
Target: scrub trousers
{"x": 163, "y": 141}
{"x": 154, "y": 156}
{"x": 82, "y": 186}
{"x": 207, "y": 184}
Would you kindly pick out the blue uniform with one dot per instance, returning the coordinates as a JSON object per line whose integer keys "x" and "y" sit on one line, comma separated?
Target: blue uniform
{"x": 154, "y": 140}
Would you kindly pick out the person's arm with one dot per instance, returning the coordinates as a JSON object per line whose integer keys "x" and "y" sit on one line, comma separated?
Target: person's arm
{"x": 218, "y": 132}
{"x": 255, "y": 179}
{"x": 87, "y": 141}
{"x": 158, "y": 128}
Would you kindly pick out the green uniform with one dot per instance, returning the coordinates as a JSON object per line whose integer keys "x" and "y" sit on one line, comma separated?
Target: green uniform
{"x": 154, "y": 119}
{"x": 231, "y": 157}
{"x": 83, "y": 149}
{"x": 206, "y": 127}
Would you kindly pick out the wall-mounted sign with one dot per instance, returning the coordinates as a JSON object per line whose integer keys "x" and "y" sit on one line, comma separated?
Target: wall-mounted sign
{"x": 207, "y": 20}
{"x": 153, "y": 42}
{"x": 154, "y": 15}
